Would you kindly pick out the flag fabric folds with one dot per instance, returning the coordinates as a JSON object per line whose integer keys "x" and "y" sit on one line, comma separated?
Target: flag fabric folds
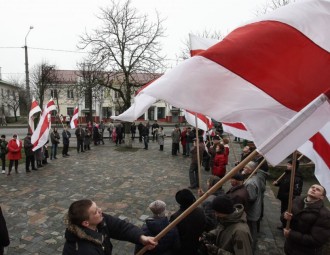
{"x": 203, "y": 122}
{"x": 35, "y": 108}
{"x": 41, "y": 135}
{"x": 260, "y": 75}
{"x": 74, "y": 120}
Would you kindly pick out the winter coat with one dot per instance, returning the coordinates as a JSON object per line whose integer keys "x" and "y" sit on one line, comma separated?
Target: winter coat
{"x": 55, "y": 137}
{"x": 66, "y": 135}
{"x": 161, "y": 137}
{"x": 310, "y": 228}
{"x": 193, "y": 153}
{"x": 175, "y": 136}
{"x": 168, "y": 244}
{"x": 239, "y": 195}
{"x": 3, "y": 147}
{"x": 80, "y": 134}
{"x": 256, "y": 187}
{"x": 4, "y": 237}
{"x": 233, "y": 234}
{"x": 183, "y": 138}
{"x": 84, "y": 241}
{"x": 190, "y": 229}
{"x": 14, "y": 150}
{"x": 88, "y": 137}
{"x": 28, "y": 146}
{"x": 284, "y": 185}
{"x": 219, "y": 165}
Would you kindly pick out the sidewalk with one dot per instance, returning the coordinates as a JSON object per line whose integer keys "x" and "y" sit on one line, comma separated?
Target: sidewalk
{"x": 122, "y": 183}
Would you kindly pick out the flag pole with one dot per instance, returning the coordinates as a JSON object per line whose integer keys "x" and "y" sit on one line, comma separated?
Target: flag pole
{"x": 198, "y": 154}
{"x": 293, "y": 173}
{"x": 209, "y": 192}
{"x": 231, "y": 144}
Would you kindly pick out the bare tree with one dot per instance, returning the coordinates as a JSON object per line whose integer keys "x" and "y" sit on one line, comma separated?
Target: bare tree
{"x": 43, "y": 78}
{"x": 271, "y": 5}
{"x": 126, "y": 45}
{"x": 12, "y": 98}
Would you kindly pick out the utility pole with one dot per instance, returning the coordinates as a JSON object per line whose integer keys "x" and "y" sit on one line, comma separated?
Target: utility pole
{"x": 27, "y": 79}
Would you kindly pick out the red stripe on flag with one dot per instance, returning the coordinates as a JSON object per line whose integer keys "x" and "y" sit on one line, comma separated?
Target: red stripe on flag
{"x": 237, "y": 125}
{"x": 286, "y": 64}
{"x": 322, "y": 147}
{"x": 203, "y": 118}
{"x": 196, "y": 52}
{"x": 34, "y": 104}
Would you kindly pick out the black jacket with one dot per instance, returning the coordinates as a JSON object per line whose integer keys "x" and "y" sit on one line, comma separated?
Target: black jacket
{"x": 84, "y": 241}
{"x": 4, "y": 237}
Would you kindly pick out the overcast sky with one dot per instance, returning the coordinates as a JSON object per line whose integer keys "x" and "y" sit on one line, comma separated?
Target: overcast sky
{"x": 58, "y": 24}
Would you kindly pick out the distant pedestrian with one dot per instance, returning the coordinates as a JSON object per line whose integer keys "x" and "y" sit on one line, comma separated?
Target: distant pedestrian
{"x": 154, "y": 130}
{"x": 29, "y": 154}
{"x": 14, "y": 153}
{"x": 161, "y": 138}
{"x": 195, "y": 161}
{"x": 66, "y": 135}
{"x": 101, "y": 131}
{"x": 80, "y": 135}
{"x": 133, "y": 130}
{"x": 140, "y": 127}
{"x": 175, "y": 140}
{"x": 88, "y": 137}
{"x": 145, "y": 136}
{"x": 55, "y": 140}
{"x": 3, "y": 152}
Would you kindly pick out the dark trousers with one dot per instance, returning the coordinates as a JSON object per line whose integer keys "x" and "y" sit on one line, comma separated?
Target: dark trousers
{"x": 146, "y": 141}
{"x": 29, "y": 160}
{"x": 193, "y": 175}
{"x": 140, "y": 137}
{"x": 11, "y": 163}
{"x": 80, "y": 145}
{"x": 175, "y": 148}
{"x": 3, "y": 161}
{"x": 65, "y": 149}
{"x": 161, "y": 147}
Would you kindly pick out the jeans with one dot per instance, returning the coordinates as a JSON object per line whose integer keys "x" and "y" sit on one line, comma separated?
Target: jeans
{"x": 53, "y": 151}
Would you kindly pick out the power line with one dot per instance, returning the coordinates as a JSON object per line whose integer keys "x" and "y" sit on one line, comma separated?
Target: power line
{"x": 83, "y": 52}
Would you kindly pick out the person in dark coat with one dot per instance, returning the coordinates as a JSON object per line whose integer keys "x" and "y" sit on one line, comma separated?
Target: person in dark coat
{"x": 96, "y": 134}
{"x": 89, "y": 231}
{"x": 310, "y": 223}
{"x": 145, "y": 136}
{"x": 80, "y": 135}
{"x": 29, "y": 154}
{"x": 238, "y": 192}
{"x": 3, "y": 152}
{"x": 284, "y": 186}
{"x": 140, "y": 127}
{"x": 4, "y": 237}
{"x": 192, "y": 226}
{"x": 66, "y": 135}
{"x": 168, "y": 244}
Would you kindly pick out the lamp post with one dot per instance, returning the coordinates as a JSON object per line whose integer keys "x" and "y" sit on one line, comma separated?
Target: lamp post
{"x": 27, "y": 79}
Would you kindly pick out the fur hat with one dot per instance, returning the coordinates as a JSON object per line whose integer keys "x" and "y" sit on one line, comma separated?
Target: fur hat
{"x": 223, "y": 204}
{"x": 185, "y": 198}
{"x": 158, "y": 208}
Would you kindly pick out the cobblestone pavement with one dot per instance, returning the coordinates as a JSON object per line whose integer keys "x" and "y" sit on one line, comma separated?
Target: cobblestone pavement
{"x": 122, "y": 183}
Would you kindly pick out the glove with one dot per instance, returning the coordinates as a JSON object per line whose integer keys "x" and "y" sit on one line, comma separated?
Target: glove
{"x": 212, "y": 249}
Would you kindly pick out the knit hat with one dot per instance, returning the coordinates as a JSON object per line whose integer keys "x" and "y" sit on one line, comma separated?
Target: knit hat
{"x": 251, "y": 165}
{"x": 223, "y": 204}
{"x": 185, "y": 198}
{"x": 158, "y": 208}
{"x": 238, "y": 177}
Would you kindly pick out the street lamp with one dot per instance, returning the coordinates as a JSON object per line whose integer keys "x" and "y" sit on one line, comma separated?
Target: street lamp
{"x": 27, "y": 80}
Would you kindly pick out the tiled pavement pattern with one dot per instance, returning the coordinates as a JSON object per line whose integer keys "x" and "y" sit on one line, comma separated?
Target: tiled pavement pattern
{"x": 122, "y": 183}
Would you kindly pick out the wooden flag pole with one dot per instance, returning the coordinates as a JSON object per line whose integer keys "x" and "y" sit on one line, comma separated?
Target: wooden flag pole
{"x": 255, "y": 170}
{"x": 202, "y": 198}
{"x": 198, "y": 154}
{"x": 293, "y": 173}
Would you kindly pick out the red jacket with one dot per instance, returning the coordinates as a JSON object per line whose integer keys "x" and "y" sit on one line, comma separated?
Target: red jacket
{"x": 14, "y": 151}
{"x": 219, "y": 165}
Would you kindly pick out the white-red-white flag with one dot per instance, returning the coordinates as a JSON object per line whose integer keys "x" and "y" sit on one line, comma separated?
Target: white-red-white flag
{"x": 203, "y": 122}
{"x": 261, "y": 74}
{"x": 74, "y": 120}
{"x": 35, "y": 108}
{"x": 41, "y": 134}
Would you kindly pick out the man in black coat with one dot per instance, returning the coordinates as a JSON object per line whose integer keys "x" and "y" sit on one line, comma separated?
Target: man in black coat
{"x": 4, "y": 237}
{"x": 310, "y": 223}
{"x": 89, "y": 231}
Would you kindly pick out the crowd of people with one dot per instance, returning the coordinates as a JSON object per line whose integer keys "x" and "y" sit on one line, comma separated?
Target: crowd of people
{"x": 226, "y": 222}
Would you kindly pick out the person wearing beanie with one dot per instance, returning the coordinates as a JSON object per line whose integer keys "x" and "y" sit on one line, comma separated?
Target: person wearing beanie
{"x": 211, "y": 221}
{"x": 191, "y": 227}
{"x": 170, "y": 243}
{"x": 256, "y": 187}
{"x": 238, "y": 192}
{"x": 284, "y": 187}
{"x": 232, "y": 236}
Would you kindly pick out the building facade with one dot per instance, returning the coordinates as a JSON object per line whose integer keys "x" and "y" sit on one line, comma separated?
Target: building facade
{"x": 9, "y": 101}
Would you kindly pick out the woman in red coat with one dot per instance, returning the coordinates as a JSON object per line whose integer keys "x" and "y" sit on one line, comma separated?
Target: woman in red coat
{"x": 14, "y": 153}
{"x": 220, "y": 161}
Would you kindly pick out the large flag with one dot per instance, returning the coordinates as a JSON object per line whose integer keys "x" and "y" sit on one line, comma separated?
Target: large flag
{"x": 203, "y": 122}
{"x": 264, "y": 72}
{"x": 74, "y": 120}
{"x": 35, "y": 108}
{"x": 41, "y": 134}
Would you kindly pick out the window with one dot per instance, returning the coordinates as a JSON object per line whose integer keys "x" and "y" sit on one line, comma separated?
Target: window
{"x": 69, "y": 111}
{"x": 70, "y": 93}
{"x": 106, "y": 112}
{"x": 160, "y": 112}
{"x": 53, "y": 93}
{"x": 117, "y": 94}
